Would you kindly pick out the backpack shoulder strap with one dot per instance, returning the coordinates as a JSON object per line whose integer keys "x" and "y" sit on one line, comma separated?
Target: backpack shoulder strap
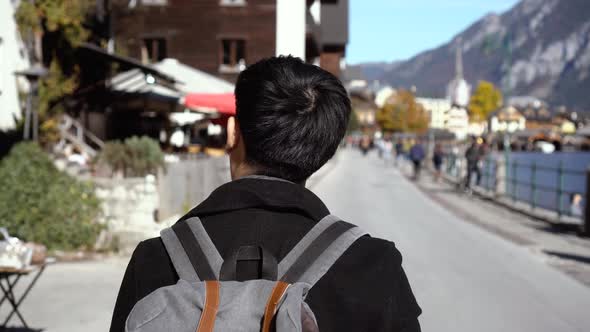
{"x": 319, "y": 249}
{"x": 191, "y": 250}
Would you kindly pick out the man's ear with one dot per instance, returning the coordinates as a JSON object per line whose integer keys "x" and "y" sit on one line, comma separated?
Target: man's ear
{"x": 233, "y": 134}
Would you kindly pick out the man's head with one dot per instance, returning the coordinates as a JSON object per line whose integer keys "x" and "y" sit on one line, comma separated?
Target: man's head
{"x": 291, "y": 117}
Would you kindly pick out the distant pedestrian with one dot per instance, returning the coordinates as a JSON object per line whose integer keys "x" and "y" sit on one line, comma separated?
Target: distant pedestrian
{"x": 365, "y": 144}
{"x": 407, "y": 145}
{"x": 380, "y": 144}
{"x": 483, "y": 151}
{"x": 417, "y": 155}
{"x": 437, "y": 160}
{"x": 349, "y": 141}
{"x": 576, "y": 209}
{"x": 453, "y": 160}
{"x": 473, "y": 155}
{"x": 387, "y": 148}
{"x": 399, "y": 152}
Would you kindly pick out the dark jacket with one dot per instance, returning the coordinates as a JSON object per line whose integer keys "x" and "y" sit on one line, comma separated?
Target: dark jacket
{"x": 472, "y": 155}
{"x": 417, "y": 152}
{"x": 437, "y": 158}
{"x": 365, "y": 290}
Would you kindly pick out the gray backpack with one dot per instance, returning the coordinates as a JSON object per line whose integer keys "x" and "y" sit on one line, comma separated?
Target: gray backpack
{"x": 207, "y": 298}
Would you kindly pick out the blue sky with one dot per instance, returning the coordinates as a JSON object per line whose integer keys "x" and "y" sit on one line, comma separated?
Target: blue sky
{"x": 387, "y": 30}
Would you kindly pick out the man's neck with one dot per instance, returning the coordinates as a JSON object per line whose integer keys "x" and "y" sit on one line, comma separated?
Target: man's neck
{"x": 242, "y": 170}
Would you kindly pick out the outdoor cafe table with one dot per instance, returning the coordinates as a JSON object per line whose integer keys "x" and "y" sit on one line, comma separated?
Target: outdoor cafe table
{"x": 9, "y": 278}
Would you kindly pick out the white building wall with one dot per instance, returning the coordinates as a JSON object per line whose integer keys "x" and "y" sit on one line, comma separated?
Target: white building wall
{"x": 290, "y": 34}
{"x": 477, "y": 128}
{"x": 507, "y": 126}
{"x": 494, "y": 125}
{"x": 457, "y": 122}
{"x": 437, "y": 109}
{"x": 382, "y": 95}
{"x": 13, "y": 57}
{"x": 522, "y": 124}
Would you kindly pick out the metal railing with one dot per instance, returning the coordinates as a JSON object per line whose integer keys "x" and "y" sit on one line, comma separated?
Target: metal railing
{"x": 538, "y": 185}
{"x": 534, "y": 187}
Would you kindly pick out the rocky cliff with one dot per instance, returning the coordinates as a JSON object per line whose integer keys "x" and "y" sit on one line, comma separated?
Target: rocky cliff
{"x": 539, "y": 48}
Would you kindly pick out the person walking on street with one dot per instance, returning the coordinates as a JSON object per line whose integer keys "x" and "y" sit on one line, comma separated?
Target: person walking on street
{"x": 437, "y": 160}
{"x": 365, "y": 144}
{"x": 453, "y": 160}
{"x": 387, "y": 146}
{"x": 399, "y": 152}
{"x": 265, "y": 226}
{"x": 473, "y": 155}
{"x": 380, "y": 144}
{"x": 417, "y": 155}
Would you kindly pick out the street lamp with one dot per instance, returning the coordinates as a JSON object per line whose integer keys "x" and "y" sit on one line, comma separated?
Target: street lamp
{"x": 32, "y": 75}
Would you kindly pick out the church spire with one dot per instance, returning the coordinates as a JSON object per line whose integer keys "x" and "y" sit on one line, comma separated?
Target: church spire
{"x": 458, "y": 90}
{"x": 459, "y": 59}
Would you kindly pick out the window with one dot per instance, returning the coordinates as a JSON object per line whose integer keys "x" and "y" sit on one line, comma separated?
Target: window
{"x": 153, "y": 50}
{"x": 229, "y": 3}
{"x": 233, "y": 55}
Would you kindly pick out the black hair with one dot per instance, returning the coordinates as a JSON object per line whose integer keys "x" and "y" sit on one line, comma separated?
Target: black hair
{"x": 292, "y": 116}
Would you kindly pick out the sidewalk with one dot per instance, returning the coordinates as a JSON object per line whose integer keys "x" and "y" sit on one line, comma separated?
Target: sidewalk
{"x": 558, "y": 247}
{"x": 69, "y": 297}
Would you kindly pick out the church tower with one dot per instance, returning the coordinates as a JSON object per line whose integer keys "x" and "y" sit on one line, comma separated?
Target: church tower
{"x": 458, "y": 90}
{"x": 458, "y": 94}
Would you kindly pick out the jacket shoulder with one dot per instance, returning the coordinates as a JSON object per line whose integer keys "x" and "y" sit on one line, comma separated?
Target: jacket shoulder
{"x": 367, "y": 282}
{"x": 376, "y": 251}
{"x": 150, "y": 248}
{"x": 153, "y": 264}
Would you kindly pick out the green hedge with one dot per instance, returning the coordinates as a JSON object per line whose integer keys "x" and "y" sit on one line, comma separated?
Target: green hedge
{"x": 41, "y": 204}
{"x": 137, "y": 156}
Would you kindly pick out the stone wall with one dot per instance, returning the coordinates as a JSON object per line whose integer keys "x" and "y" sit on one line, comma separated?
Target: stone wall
{"x": 128, "y": 203}
{"x": 135, "y": 209}
{"x": 129, "y": 208}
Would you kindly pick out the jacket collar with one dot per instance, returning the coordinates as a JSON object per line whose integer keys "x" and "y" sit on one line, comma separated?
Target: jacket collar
{"x": 259, "y": 191}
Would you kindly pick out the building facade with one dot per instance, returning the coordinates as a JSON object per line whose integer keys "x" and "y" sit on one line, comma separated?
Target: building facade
{"x": 13, "y": 57}
{"x": 222, "y": 37}
{"x": 507, "y": 120}
{"x": 457, "y": 122}
{"x": 365, "y": 110}
{"x": 437, "y": 110}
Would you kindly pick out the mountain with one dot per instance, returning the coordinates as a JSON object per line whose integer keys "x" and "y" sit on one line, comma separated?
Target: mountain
{"x": 374, "y": 70}
{"x": 539, "y": 48}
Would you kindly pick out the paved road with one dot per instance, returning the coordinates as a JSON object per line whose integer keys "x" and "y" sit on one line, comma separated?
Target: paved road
{"x": 465, "y": 279}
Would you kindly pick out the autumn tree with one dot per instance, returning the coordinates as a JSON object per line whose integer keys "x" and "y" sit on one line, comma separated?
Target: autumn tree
{"x": 401, "y": 113}
{"x": 485, "y": 100}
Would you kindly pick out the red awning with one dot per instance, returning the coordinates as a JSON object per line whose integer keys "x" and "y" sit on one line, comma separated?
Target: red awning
{"x": 224, "y": 103}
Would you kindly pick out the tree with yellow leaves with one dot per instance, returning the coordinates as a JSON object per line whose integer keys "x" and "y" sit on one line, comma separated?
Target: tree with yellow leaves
{"x": 485, "y": 100}
{"x": 401, "y": 113}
